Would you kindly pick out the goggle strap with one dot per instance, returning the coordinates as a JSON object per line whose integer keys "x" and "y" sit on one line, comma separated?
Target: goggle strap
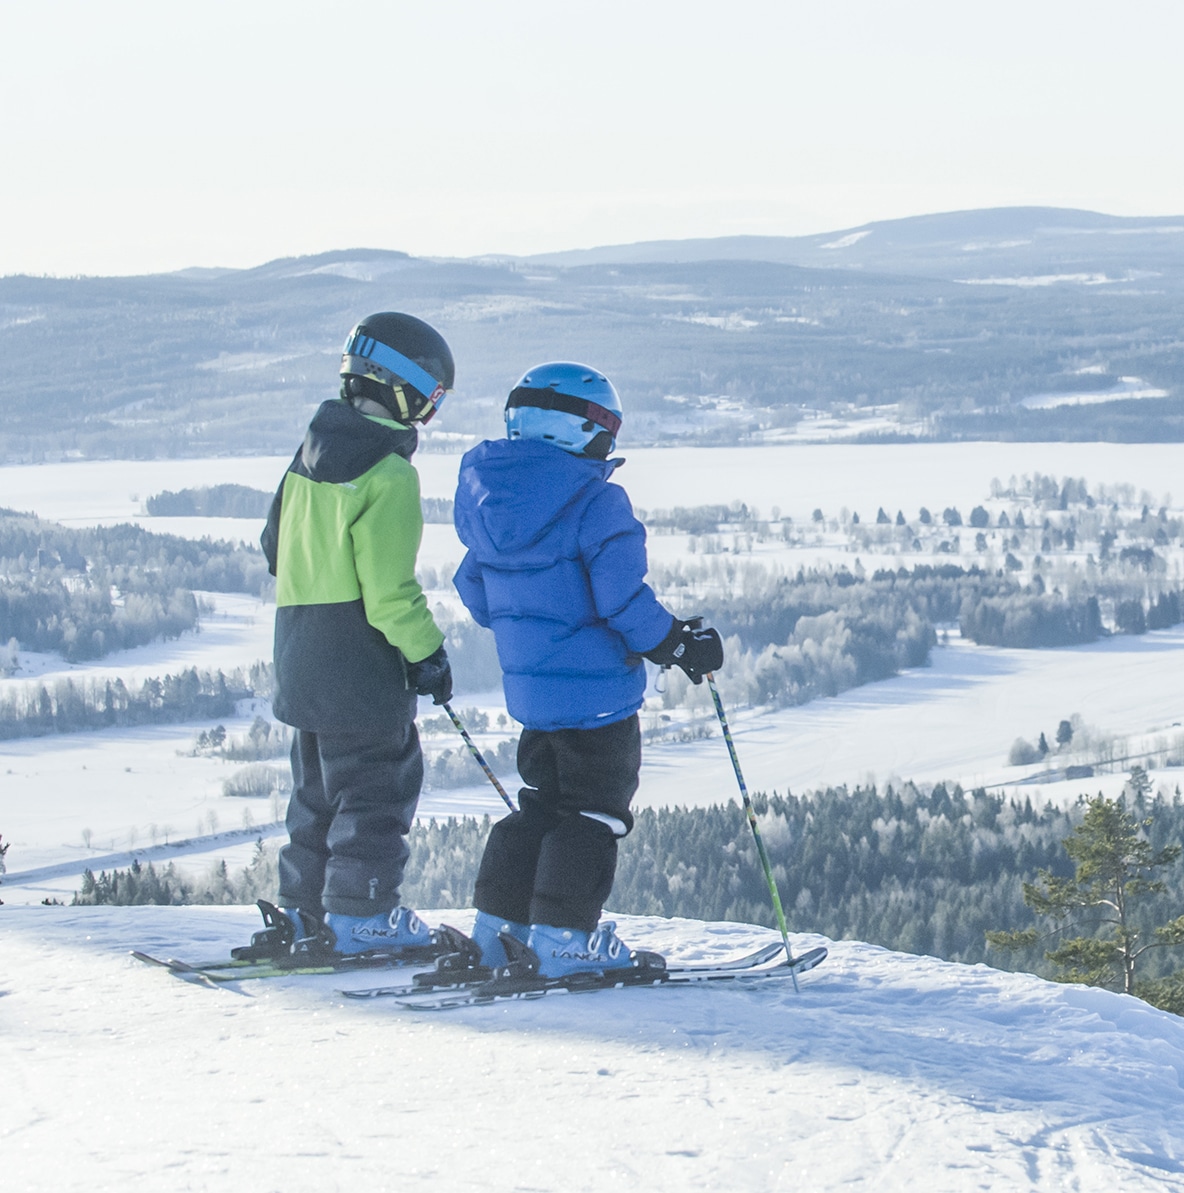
{"x": 402, "y": 366}
{"x": 549, "y": 399}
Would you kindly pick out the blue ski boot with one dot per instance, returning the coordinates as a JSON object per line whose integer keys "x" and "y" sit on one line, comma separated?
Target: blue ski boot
{"x": 310, "y": 938}
{"x": 568, "y": 952}
{"x": 400, "y": 931}
{"x": 485, "y": 935}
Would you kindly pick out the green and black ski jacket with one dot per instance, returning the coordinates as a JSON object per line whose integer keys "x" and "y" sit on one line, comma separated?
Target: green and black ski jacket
{"x": 341, "y": 540}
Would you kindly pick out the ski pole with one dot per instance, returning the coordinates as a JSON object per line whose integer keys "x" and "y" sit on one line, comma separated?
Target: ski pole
{"x": 750, "y": 811}
{"x": 477, "y": 755}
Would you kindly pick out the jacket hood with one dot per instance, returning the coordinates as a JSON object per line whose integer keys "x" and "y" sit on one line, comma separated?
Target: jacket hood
{"x": 512, "y": 492}
{"x": 342, "y": 444}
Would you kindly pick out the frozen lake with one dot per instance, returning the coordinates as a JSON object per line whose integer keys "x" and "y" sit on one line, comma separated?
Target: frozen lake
{"x": 795, "y": 477}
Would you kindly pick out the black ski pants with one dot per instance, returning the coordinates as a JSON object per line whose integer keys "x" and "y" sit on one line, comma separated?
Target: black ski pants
{"x": 353, "y": 799}
{"x": 547, "y": 863}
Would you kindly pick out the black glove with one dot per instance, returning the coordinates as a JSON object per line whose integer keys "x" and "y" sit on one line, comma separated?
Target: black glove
{"x": 432, "y": 676}
{"x": 691, "y": 646}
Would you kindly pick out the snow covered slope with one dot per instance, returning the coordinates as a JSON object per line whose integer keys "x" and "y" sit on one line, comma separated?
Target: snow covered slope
{"x": 886, "y": 1072}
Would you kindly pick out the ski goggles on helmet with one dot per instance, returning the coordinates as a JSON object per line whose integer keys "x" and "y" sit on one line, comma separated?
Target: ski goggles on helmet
{"x": 365, "y": 356}
{"x": 549, "y": 399}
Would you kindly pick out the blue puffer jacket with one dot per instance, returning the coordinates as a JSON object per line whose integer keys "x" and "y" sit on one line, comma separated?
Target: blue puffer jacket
{"x": 556, "y": 566}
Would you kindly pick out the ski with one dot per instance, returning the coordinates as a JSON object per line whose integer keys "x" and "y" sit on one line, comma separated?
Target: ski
{"x": 177, "y": 968}
{"x": 425, "y": 982}
{"x": 446, "y": 941}
{"x": 510, "y": 988}
{"x": 218, "y": 972}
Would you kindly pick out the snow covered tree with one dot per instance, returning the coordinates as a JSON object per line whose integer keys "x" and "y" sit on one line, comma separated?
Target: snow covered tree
{"x": 1022, "y": 753}
{"x": 1064, "y": 734}
{"x": 1114, "y": 866}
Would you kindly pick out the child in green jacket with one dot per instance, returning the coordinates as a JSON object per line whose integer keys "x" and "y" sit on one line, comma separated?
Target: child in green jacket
{"x": 355, "y": 642}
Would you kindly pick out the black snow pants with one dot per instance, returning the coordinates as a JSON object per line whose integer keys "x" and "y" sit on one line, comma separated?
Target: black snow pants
{"x": 550, "y": 862}
{"x": 353, "y": 800}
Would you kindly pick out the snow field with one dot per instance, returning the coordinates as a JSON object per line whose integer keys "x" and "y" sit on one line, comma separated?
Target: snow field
{"x": 886, "y": 1071}
{"x": 953, "y": 720}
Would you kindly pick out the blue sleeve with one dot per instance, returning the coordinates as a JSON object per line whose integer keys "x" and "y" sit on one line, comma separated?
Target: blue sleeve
{"x": 471, "y": 586}
{"x": 612, "y": 546}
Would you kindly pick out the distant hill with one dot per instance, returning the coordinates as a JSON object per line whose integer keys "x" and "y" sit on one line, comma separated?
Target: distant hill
{"x": 1005, "y": 241}
{"x": 1033, "y": 323}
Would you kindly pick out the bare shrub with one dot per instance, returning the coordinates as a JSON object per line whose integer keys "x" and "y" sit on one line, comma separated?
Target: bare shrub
{"x": 257, "y": 781}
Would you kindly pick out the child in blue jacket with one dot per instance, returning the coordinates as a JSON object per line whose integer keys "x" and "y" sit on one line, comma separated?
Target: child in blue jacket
{"x": 556, "y": 566}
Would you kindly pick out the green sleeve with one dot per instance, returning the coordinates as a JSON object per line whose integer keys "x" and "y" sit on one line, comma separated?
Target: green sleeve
{"x": 386, "y": 537}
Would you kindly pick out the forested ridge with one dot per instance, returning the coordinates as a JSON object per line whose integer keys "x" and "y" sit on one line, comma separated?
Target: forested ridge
{"x": 85, "y": 592}
{"x": 790, "y": 639}
{"x": 70, "y": 706}
{"x": 918, "y": 869}
{"x": 210, "y": 501}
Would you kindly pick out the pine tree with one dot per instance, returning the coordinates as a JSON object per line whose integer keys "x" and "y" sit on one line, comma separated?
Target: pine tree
{"x": 1114, "y": 866}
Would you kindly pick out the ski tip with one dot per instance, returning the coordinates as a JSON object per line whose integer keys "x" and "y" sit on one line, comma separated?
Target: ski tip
{"x": 170, "y": 963}
{"x": 762, "y": 955}
{"x": 809, "y": 960}
{"x": 372, "y": 992}
{"x": 440, "y": 1002}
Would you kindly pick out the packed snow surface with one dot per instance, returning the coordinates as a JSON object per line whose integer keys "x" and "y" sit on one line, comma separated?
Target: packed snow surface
{"x": 886, "y": 1071}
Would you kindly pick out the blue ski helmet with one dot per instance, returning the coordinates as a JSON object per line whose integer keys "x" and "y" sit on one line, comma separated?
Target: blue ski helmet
{"x": 400, "y": 362}
{"x": 573, "y": 406}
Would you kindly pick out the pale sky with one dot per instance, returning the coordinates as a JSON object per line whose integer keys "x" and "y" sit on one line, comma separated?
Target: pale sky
{"x": 145, "y": 136}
